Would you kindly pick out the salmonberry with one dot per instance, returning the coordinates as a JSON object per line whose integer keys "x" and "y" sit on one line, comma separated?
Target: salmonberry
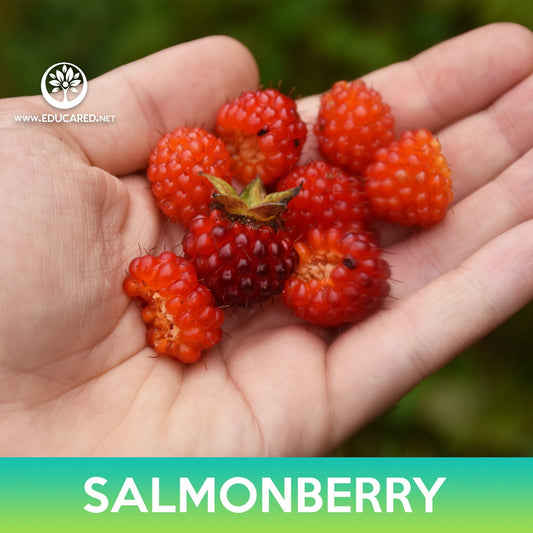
{"x": 263, "y": 133}
{"x": 240, "y": 249}
{"x": 340, "y": 279}
{"x": 179, "y": 312}
{"x": 309, "y": 240}
{"x": 409, "y": 181}
{"x": 174, "y": 171}
{"x": 353, "y": 122}
{"x": 328, "y": 195}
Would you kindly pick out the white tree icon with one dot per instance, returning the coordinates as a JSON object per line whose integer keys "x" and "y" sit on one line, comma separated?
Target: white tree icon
{"x": 64, "y": 80}
{"x": 65, "y": 77}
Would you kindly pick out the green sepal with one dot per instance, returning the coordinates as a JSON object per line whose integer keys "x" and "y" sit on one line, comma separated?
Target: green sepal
{"x": 253, "y": 204}
{"x": 254, "y": 193}
{"x": 283, "y": 196}
{"x": 267, "y": 213}
{"x": 220, "y": 185}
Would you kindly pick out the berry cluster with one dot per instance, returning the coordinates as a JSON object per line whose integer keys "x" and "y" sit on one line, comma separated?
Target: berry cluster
{"x": 302, "y": 230}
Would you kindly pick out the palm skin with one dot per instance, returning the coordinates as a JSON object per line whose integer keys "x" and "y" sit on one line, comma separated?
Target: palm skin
{"x": 76, "y": 377}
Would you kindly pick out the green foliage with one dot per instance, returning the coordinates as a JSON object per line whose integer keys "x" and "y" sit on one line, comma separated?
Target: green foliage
{"x": 480, "y": 404}
{"x": 306, "y": 44}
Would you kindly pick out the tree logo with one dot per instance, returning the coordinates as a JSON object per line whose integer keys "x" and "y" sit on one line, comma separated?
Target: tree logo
{"x": 64, "y": 85}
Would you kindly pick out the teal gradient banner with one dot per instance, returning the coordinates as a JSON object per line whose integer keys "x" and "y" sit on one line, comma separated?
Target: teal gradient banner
{"x": 355, "y": 494}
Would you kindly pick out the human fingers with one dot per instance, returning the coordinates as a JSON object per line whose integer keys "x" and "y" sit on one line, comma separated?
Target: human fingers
{"x": 481, "y": 146}
{"x": 494, "y": 209}
{"x": 373, "y": 365}
{"x": 448, "y": 82}
{"x": 182, "y": 85}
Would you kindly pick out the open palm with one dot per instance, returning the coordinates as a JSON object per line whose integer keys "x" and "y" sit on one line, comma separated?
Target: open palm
{"x": 75, "y": 375}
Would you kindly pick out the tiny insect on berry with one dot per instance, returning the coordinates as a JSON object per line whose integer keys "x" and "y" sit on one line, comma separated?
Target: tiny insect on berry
{"x": 341, "y": 277}
{"x": 264, "y": 134}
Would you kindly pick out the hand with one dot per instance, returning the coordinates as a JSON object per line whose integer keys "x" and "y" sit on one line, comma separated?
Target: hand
{"x": 75, "y": 375}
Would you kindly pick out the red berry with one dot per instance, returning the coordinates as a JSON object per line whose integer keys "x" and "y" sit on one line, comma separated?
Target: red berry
{"x": 174, "y": 167}
{"x": 179, "y": 312}
{"x": 240, "y": 250}
{"x": 328, "y": 195}
{"x": 263, "y": 133}
{"x": 353, "y": 122}
{"x": 241, "y": 264}
{"x": 340, "y": 279}
{"x": 409, "y": 181}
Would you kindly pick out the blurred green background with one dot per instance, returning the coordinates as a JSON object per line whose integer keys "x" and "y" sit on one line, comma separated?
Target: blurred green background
{"x": 481, "y": 403}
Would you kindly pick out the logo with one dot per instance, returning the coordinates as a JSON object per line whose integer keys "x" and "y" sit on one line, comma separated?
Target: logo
{"x": 64, "y": 85}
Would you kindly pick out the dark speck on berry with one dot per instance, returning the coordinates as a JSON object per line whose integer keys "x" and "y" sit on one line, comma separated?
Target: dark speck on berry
{"x": 349, "y": 262}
